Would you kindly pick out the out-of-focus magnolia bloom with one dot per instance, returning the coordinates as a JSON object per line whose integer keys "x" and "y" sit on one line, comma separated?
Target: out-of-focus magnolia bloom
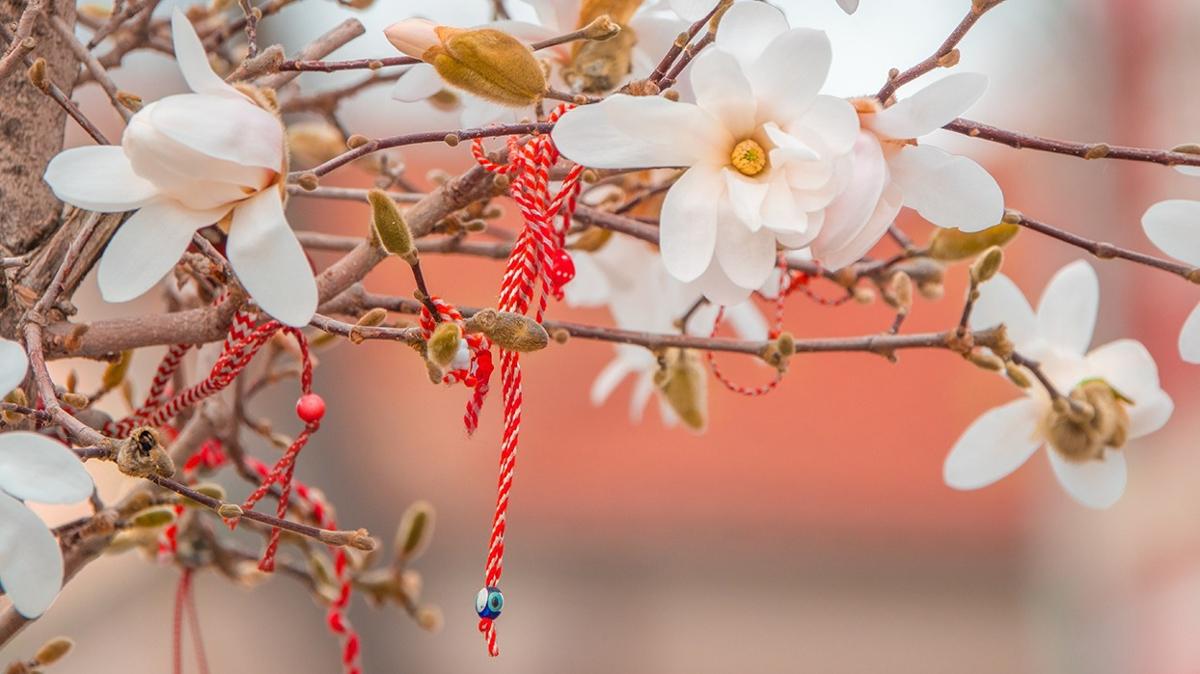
{"x": 34, "y": 468}
{"x": 1114, "y": 387}
{"x": 849, "y": 6}
{"x": 1174, "y": 226}
{"x": 891, "y": 170}
{"x": 654, "y": 30}
{"x": 186, "y": 162}
{"x": 628, "y": 277}
{"x": 766, "y": 153}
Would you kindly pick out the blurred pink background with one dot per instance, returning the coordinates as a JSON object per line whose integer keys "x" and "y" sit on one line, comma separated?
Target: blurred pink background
{"x": 806, "y": 530}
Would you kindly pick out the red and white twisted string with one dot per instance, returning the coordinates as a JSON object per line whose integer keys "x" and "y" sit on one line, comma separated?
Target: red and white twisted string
{"x": 529, "y": 267}
{"x": 478, "y": 373}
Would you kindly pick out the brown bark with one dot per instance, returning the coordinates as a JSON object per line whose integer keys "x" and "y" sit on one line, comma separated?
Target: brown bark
{"x": 31, "y": 132}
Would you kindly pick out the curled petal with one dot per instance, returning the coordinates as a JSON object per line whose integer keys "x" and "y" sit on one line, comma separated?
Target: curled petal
{"x": 232, "y": 129}
{"x": 930, "y": 108}
{"x": 853, "y": 209}
{"x": 877, "y": 225}
{"x": 995, "y": 445}
{"x": 193, "y": 60}
{"x": 1096, "y": 483}
{"x": 269, "y": 261}
{"x": 31, "y": 565}
{"x": 640, "y": 132}
{"x": 1129, "y": 368}
{"x": 1174, "y": 226}
{"x": 98, "y": 178}
{"x": 688, "y": 223}
{"x": 13, "y": 365}
{"x": 948, "y": 190}
{"x": 36, "y": 468}
{"x": 147, "y": 246}
{"x": 1066, "y": 314}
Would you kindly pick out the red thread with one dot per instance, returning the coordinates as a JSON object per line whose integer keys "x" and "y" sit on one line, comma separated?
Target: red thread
{"x": 786, "y": 285}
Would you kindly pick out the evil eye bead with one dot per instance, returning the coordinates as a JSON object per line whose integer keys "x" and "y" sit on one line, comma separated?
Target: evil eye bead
{"x": 489, "y": 602}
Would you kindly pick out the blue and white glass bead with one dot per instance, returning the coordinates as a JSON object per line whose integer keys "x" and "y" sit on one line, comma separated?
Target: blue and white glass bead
{"x": 489, "y": 602}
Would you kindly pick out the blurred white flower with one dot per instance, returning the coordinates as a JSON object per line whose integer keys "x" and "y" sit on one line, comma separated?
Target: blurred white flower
{"x": 766, "y": 153}
{"x": 628, "y": 278}
{"x": 655, "y": 30}
{"x": 850, "y": 6}
{"x": 1174, "y": 226}
{"x": 892, "y": 170}
{"x": 186, "y": 162}
{"x": 1057, "y": 336}
{"x": 35, "y": 468}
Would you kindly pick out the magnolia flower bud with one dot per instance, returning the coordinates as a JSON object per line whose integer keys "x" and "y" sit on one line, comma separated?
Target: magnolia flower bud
{"x": 987, "y": 265}
{"x": 54, "y": 650}
{"x": 389, "y": 226}
{"x": 415, "y": 531}
{"x": 490, "y": 64}
{"x": 413, "y": 37}
{"x": 1094, "y": 419}
{"x": 443, "y": 344}
{"x": 314, "y": 143}
{"x": 115, "y": 373}
{"x": 152, "y": 518}
{"x": 682, "y": 381}
{"x": 510, "y": 331}
{"x": 950, "y": 245}
{"x": 142, "y": 454}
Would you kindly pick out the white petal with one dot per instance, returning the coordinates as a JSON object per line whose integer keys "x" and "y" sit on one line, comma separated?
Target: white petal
{"x": 479, "y": 112}
{"x": 747, "y": 321}
{"x": 269, "y": 261}
{"x": 590, "y": 287}
{"x": 834, "y": 120}
{"x": 930, "y": 108}
{"x": 851, "y": 211}
{"x": 98, "y": 178}
{"x": 948, "y": 190}
{"x": 789, "y": 73}
{"x": 643, "y": 387}
{"x": 995, "y": 445}
{"x": 233, "y": 129}
{"x": 1174, "y": 226}
{"x": 1094, "y": 483}
{"x": 688, "y": 223}
{"x": 724, "y": 92}
{"x": 193, "y": 61}
{"x": 418, "y": 83}
{"x": 779, "y": 210}
{"x": 714, "y": 284}
{"x": 655, "y": 34}
{"x": 1189, "y": 170}
{"x": 849, "y": 6}
{"x": 1128, "y": 367}
{"x": 877, "y": 225}
{"x": 1189, "y": 337}
{"x": 609, "y": 378}
{"x": 746, "y": 256}
{"x": 13, "y": 365}
{"x": 31, "y": 565}
{"x": 640, "y": 132}
{"x": 147, "y": 247}
{"x": 1066, "y": 314}
{"x": 748, "y": 27}
{"x": 746, "y": 197}
{"x": 692, "y": 10}
{"x": 36, "y": 468}
{"x": 1001, "y": 301}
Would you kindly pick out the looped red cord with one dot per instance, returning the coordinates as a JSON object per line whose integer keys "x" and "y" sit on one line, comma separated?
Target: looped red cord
{"x": 478, "y": 374}
{"x": 786, "y": 285}
{"x": 528, "y": 270}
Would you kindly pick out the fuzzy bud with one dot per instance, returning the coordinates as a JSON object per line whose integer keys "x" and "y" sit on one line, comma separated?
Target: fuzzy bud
{"x": 951, "y": 245}
{"x": 115, "y": 373}
{"x": 230, "y": 511}
{"x": 76, "y": 400}
{"x": 390, "y": 228}
{"x": 358, "y": 539}
{"x": 900, "y": 292}
{"x": 129, "y": 101}
{"x": 211, "y": 490}
{"x": 142, "y": 454}
{"x": 985, "y": 361}
{"x": 443, "y": 344}
{"x": 54, "y": 650}
{"x": 987, "y": 265}
{"x": 510, "y": 331}
{"x": 38, "y": 76}
{"x": 429, "y": 618}
{"x": 683, "y": 383}
{"x": 1017, "y": 375}
{"x": 1093, "y": 420}
{"x": 152, "y": 518}
{"x": 370, "y": 319}
{"x": 414, "y": 532}
{"x": 488, "y": 63}
{"x": 313, "y": 143}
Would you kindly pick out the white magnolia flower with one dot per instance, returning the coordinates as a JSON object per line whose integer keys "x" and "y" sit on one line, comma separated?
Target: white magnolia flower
{"x": 35, "y": 468}
{"x": 654, "y": 30}
{"x": 1057, "y": 336}
{"x": 893, "y": 170}
{"x": 1174, "y": 226}
{"x": 186, "y": 162}
{"x": 628, "y": 278}
{"x": 849, "y": 6}
{"x": 766, "y": 153}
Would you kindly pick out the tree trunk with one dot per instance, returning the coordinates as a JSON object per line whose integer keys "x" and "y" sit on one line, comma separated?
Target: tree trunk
{"x": 31, "y": 132}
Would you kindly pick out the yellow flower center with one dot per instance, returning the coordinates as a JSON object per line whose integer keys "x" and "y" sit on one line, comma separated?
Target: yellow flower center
{"x": 748, "y": 157}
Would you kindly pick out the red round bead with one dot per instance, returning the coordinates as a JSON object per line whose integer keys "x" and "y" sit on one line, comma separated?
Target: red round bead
{"x": 310, "y": 408}
{"x": 563, "y": 268}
